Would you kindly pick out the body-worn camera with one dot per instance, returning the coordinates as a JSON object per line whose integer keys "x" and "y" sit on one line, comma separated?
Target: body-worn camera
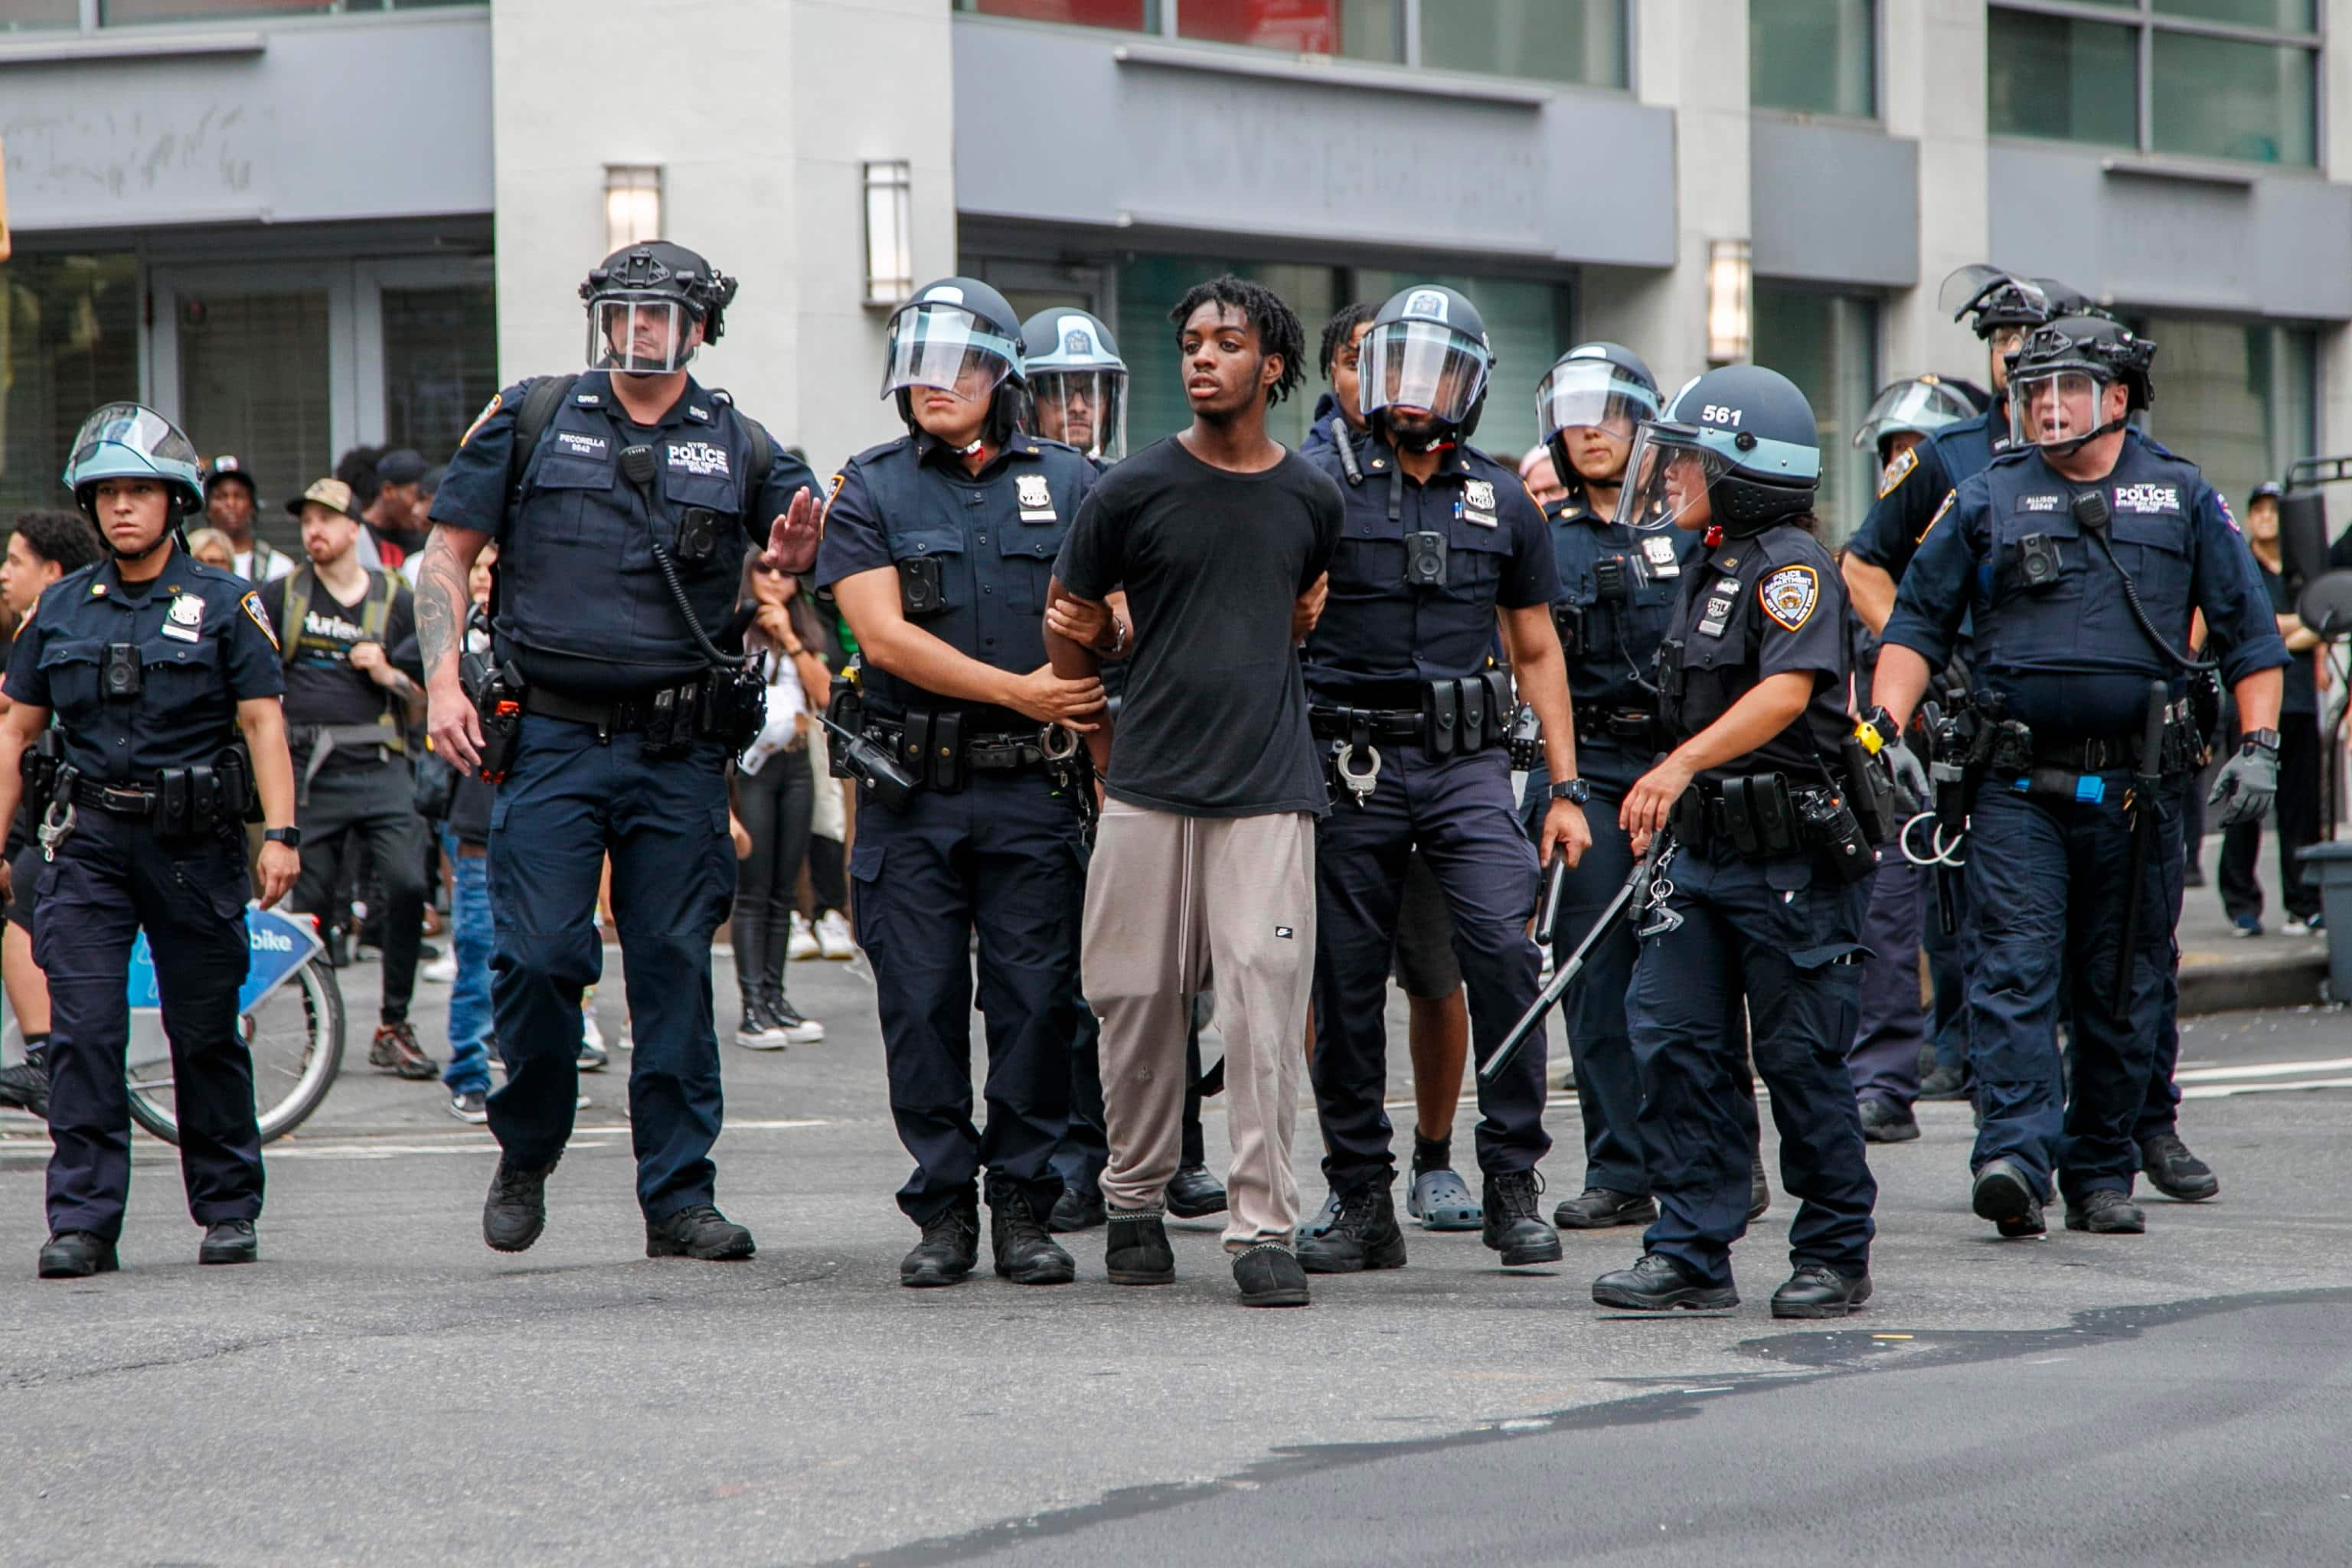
{"x": 2039, "y": 564}
{"x": 697, "y": 536}
{"x": 122, "y": 675}
{"x": 1425, "y": 559}
{"x": 920, "y": 591}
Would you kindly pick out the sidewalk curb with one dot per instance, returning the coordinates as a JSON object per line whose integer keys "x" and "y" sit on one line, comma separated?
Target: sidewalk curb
{"x": 2289, "y": 979}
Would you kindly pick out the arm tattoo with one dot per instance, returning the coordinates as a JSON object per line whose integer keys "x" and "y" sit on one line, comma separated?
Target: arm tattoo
{"x": 440, "y": 597}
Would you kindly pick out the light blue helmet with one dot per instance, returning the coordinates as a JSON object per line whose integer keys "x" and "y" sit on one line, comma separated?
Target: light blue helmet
{"x": 128, "y": 441}
{"x": 1742, "y": 435}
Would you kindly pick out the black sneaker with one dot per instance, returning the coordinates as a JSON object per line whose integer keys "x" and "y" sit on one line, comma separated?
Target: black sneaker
{"x": 27, "y": 1087}
{"x": 1885, "y": 1124}
{"x": 1078, "y": 1208}
{"x": 472, "y": 1106}
{"x": 2106, "y": 1213}
{"x": 698, "y": 1231}
{"x": 1024, "y": 1253}
{"x": 394, "y": 1049}
{"x": 1817, "y": 1290}
{"x": 949, "y": 1248}
{"x": 1759, "y": 1190}
{"x": 1365, "y": 1235}
{"x": 1270, "y": 1276}
{"x": 230, "y": 1241}
{"x": 1138, "y": 1253}
{"x": 1194, "y": 1193}
{"x": 1656, "y": 1283}
{"x": 1943, "y": 1083}
{"x": 1513, "y": 1224}
{"x": 2002, "y": 1194}
{"x": 76, "y": 1255}
{"x": 2176, "y": 1173}
{"x": 1598, "y": 1208}
{"x": 516, "y": 1211}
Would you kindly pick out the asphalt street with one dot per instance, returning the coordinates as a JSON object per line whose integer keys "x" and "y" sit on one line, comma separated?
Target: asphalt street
{"x": 383, "y": 1389}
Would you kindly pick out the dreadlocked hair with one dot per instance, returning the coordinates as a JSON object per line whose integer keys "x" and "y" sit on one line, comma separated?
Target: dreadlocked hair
{"x": 1278, "y": 331}
{"x": 1339, "y": 329}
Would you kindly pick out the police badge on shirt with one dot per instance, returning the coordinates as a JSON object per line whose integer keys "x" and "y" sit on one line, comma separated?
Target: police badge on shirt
{"x": 1478, "y": 502}
{"x": 1036, "y": 498}
{"x": 186, "y": 619}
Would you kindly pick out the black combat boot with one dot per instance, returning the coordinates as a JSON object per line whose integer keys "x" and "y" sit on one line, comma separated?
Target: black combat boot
{"x": 949, "y": 1248}
{"x": 1885, "y": 1124}
{"x": 1596, "y": 1208}
{"x": 1818, "y": 1291}
{"x": 230, "y": 1241}
{"x": 1656, "y": 1283}
{"x": 2106, "y": 1213}
{"x": 2176, "y": 1173}
{"x": 1138, "y": 1252}
{"x": 1194, "y": 1192}
{"x": 2002, "y": 1194}
{"x": 1078, "y": 1208}
{"x": 1025, "y": 1254}
{"x": 1513, "y": 1224}
{"x": 1365, "y": 1235}
{"x": 76, "y": 1255}
{"x": 698, "y": 1231}
{"x": 516, "y": 1211}
{"x": 1759, "y": 1190}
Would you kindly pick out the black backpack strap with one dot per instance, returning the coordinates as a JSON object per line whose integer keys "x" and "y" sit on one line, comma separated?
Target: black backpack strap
{"x": 543, "y": 396}
{"x": 759, "y": 454}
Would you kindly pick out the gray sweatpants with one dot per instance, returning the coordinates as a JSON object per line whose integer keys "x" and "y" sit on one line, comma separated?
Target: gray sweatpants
{"x": 1177, "y": 905}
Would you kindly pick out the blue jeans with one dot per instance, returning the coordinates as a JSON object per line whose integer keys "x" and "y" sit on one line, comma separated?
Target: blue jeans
{"x": 470, "y": 995}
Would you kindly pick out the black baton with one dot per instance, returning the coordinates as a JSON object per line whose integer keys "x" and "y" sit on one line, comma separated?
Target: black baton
{"x": 1532, "y": 1019}
{"x": 2146, "y": 780}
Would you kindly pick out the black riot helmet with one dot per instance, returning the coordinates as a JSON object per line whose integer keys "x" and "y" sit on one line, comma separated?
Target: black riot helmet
{"x": 1595, "y": 385}
{"x": 1744, "y": 437}
{"x": 960, "y": 335}
{"x": 1995, "y": 299}
{"x": 1427, "y": 350}
{"x": 641, "y": 298}
{"x": 2058, "y": 375}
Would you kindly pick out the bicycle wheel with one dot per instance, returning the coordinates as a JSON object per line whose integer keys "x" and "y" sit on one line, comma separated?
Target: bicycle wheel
{"x": 296, "y": 1037}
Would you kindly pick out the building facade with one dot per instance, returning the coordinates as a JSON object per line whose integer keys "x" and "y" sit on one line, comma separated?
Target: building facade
{"x": 298, "y": 225}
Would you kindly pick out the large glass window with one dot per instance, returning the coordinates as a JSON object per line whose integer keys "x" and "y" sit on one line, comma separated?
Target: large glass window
{"x": 115, "y": 13}
{"x": 1827, "y": 344}
{"x": 2236, "y": 398}
{"x": 1363, "y": 29}
{"x": 2223, "y": 78}
{"x": 1815, "y": 57}
{"x": 254, "y": 381}
{"x": 440, "y": 363}
{"x": 1134, "y": 16}
{"x": 68, "y": 342}
{"x": 1558, "y": 40}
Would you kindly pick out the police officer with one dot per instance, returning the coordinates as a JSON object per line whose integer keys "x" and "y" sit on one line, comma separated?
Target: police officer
{"x": 2002, "y": 308}
{"x": 1438, "y": 538}
{"x": 152, "y": 663}
{"x": 1757, "y": 899}
{"x": 1907, "y": 412}
{"x": 1618, "y": 587}
{"x": 2082, "y": 555}
{"x": 621, "y": 501}
{"x": 938, "y": 548}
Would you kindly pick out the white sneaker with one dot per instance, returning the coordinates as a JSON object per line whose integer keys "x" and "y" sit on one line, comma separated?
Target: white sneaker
{"x": 442, "y": 971}
{"x": 592, "y": 1036}
{"x": 804, "y": 940}
{"x": 832, "y": 938}
{"x": 628, "y": 1040}
{"x": 2296, "y": 928}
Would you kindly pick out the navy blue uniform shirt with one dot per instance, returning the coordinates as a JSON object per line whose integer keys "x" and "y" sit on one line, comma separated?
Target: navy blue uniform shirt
{"x": 1618, "y": 588}
{"x": 994, "y": 535}
{"x": 204, "y": 645}
{"x": 1769, "y": 605}
{"x": 2068, "y": 655}
{"x": 1377, "y": 629}
{"x": 581, "y": 603}
{"x": 1916, "y": 483}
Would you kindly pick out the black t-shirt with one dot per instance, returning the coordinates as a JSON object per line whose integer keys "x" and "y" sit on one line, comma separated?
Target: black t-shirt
{"x": 322, "y": 687}
{"x": 1214, "y": 719}
{"x": 2302, "y": 693}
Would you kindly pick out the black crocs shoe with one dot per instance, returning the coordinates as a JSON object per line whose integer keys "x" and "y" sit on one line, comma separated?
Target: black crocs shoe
{"x": 76, "y": 1255}
{"x": 1513, "y": 1224}
{"x": 1138, "y": 1252}
{"x": 1656, "y": 1283}
{"x": 516, "y": 1211}
{"x": 1270, "y": 1276}
{"x": 698, "y": 1231}
{"x": 230, "y": 1241}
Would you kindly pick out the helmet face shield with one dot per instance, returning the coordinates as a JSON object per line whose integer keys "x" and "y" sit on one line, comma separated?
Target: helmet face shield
{"x": 1575, "y": 393}
{"x": 1997, "y": 297}
{"x": 1920, "y": 405}
{"x": 1667, "y": 478}
{"x": 945, "y": 346}
{"x": 639, "y": 334}
{"x": 2055, "y": 406}
{"x": 127, "y": 441}
{"x": 1081, "y": 408}
{"x": 1424, "y": 366}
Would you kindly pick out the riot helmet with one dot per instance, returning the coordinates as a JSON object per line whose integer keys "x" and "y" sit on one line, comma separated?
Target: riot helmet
{"x": 2058, "y": 377}
{"x": 1917, "y": 404}
{"x": 642, "y": 301}
{"x": 1427, "y": 352}
{"x": 1742, "y": 437}
{"x": 1078, "y": 382}
{"x": 959, "y": 335}
{"x": 1604, "y": 394}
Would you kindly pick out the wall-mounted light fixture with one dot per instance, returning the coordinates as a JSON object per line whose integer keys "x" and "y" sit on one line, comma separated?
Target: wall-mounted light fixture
{"x": 889, "y": 234}
{"x": 1730, "y": 303}
{"x": 633, "y": 204}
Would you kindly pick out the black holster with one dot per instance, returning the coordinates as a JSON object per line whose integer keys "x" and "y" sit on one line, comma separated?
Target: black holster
{"x": 499, "y": 706}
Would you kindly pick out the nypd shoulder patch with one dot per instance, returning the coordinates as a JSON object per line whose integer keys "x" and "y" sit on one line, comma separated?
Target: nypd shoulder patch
{"x": 1949, "y": 497}
{"x": 1896, "y": 471}
{"x": 1790, "y": 594}
{"x": 498, "y": 401}
{"x": 251, "y": 605}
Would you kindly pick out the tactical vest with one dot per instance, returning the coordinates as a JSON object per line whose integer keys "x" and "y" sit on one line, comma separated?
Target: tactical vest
{"x": 375, "y": 612}
{"x": 1618, "y": 589}
{"x": 974, "y": 555}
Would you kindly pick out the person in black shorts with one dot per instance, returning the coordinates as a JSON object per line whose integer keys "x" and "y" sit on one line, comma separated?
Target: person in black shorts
{"x": 44, "y": 547}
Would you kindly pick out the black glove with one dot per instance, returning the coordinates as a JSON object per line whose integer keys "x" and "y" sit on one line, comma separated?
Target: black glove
{"x": 2248, "y": 782}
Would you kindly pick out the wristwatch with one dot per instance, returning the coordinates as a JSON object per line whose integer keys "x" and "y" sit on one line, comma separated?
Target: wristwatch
{"x": 2266, "y": 738}
{"x": 1576, "y": 792}
{"x": 289, "y": 837}
{"x": 1118, "y": 638}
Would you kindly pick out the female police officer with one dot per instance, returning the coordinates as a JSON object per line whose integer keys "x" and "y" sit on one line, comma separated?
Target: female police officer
{"x": 938, "y": 547}
{"x": 152, "y": 663}
{"x": 1757, "y": 899}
